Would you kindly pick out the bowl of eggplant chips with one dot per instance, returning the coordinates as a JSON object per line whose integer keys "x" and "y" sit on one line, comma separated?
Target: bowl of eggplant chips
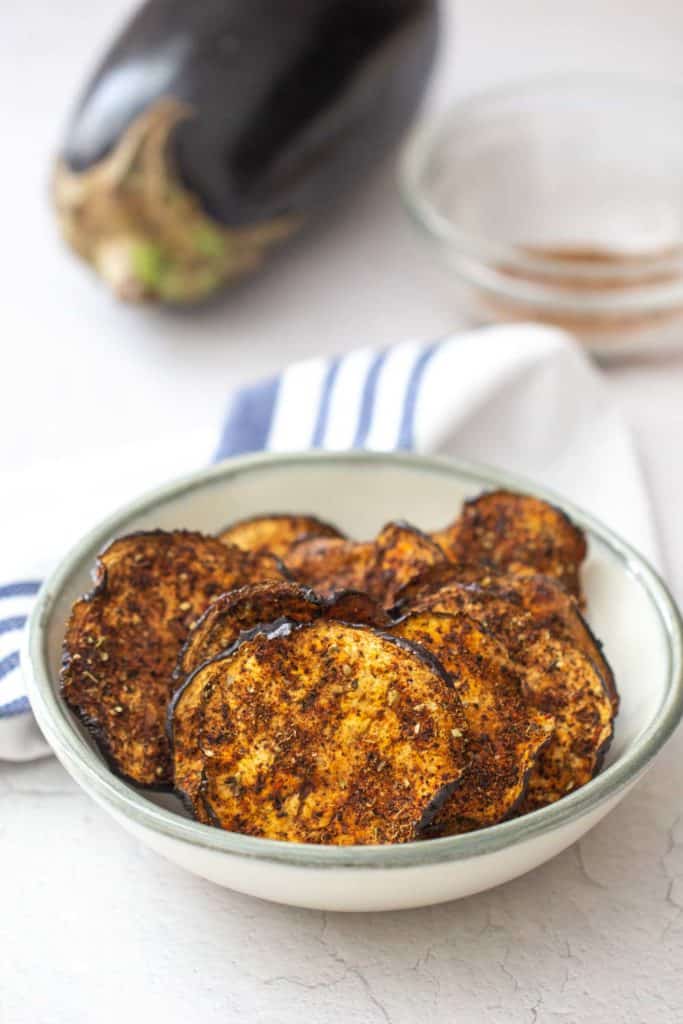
{"x": 628, "y": 607}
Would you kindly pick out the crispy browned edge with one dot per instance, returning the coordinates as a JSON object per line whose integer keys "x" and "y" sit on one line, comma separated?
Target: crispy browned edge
{"x": 352, "y": 606}
{"x": 225, "y": 604}
{"x": 284, "y": 627}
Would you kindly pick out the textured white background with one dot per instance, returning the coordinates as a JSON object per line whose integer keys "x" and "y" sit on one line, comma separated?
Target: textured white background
{"x": 93, "y": 927}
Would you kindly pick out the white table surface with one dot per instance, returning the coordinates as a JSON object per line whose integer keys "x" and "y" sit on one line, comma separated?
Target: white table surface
{"x": 94, "y": 927}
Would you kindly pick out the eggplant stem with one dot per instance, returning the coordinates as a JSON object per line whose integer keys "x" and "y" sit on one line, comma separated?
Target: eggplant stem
{"x": 145, "y": 233}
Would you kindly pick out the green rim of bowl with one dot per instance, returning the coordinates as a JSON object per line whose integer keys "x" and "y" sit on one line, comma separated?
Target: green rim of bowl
{"x": 63, "y": 732}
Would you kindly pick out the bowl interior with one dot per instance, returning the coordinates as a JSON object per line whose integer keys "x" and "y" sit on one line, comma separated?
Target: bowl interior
{"x": 360, "y": 494}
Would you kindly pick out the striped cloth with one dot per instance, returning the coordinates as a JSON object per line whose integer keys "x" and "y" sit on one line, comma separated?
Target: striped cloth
{"x": 521, "y": 397}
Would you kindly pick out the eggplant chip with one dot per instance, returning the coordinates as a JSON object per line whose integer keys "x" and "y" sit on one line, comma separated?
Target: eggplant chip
{"x": 380, "y": 567}
{"x": 517, "y": 533}
{"x": 553, "y": 609}
{"x": 357, "y": 609}
{"x": 403, "y": 552}
{"x": 328, "y": 564}
{"x": 505, "y": 733}
{"x": 321, "y": 733}
{"x": 559, "y": 679}
{"x": 562, "y": 681}
{"x": 276, "y": 533}
{"x": 544, "y": 598}
{"x": 123, "y": 639}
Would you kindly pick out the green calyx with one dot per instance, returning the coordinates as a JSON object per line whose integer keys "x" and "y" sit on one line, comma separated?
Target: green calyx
{"x": 143, "y": 231}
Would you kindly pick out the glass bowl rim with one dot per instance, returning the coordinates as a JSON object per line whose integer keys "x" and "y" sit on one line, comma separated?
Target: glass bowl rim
{"x": 483, "y": 259}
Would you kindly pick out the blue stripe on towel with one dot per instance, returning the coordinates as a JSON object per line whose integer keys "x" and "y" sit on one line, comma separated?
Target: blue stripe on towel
{"x": 20, "y": 589}
{"x": 324, "y": 405}
{"x": 10, "y": 625}
{"x": 248, "y": 423}
{"x": 406, "y": 434}
{"x": 368, "y": 400}
{"x": 15, "y": 707}
{"x": 9, "y": 664}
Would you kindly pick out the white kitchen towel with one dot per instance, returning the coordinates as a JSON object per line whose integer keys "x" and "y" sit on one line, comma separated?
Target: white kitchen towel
{"x": 522, "y": 397}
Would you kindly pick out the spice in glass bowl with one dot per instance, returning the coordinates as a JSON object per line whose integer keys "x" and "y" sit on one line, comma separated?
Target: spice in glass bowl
{"x": 560, "y": 200}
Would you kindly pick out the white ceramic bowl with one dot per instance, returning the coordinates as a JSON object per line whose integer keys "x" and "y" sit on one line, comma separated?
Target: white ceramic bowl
{"x": 629, "y": 608}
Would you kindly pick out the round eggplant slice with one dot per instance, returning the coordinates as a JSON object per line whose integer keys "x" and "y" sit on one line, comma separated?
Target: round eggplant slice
{"x": 380, "y": 567}
{"x": 506, "y": 734}
{"x": 403, "y": 552}
{"x": 323, "y": 733}
{"x": 276, "y": 533}
{"x": 552, "y": 609}
{"x": 517, "y": 533}
{"x": 328, "y": 564}
{"x": 560, "y": 679}
{"x": 212, "y": 131}
{"x": 564, "y": 683}
{"x": 544, "y": 598}
{"x": 123, "y": 639}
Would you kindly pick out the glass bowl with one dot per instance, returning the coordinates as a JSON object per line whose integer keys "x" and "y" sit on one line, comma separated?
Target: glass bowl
{"x": 559, "y": 200}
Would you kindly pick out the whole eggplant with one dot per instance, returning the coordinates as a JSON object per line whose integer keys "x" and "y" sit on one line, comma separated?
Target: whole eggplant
{"x": 214, "y": 129}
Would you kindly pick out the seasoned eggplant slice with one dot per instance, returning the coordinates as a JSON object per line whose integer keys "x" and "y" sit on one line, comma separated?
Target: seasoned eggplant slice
{"x": 563, "y": 682}
{"x": 403, "y": 552}
{"x": 276, "y": 533}
{"x": 356, "y": 608}
{"x": 518, "y": 533}
{"x": 380, "y": 567}
{"x": 548, "y": 602}
{"x": 329, "y": 565}
{"x": 123, "y": 639}
{"x": 559, "y": 679}
{"x": 323, "y": 733}
{"x": 553, "y": 609}
{"x": 238, "y": 611}
{"x": 505, "y": 733}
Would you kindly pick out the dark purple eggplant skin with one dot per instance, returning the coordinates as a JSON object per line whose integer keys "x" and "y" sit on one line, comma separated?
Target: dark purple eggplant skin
{"x": 293, "y": 100}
